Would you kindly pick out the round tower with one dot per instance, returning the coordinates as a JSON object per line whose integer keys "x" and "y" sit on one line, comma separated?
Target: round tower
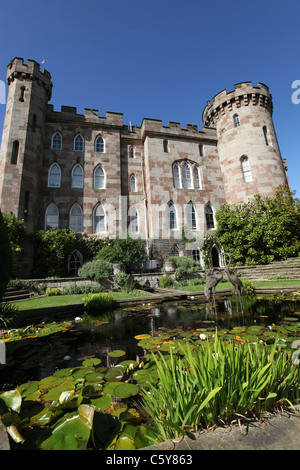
{"x": 249, "y": 154}
{"x": 21, "y": 154}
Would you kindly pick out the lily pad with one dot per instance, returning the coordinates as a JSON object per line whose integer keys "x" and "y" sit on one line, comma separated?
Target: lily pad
{"x": 102, "y": 403}
{"x": 126, "y": 390}
{"x": 114, "y": 374}
{"x": 10, "y": 400}
{"x": 116, "y": 353}
{"x": 94, "y": 361}
{"x": 143, "y": 336}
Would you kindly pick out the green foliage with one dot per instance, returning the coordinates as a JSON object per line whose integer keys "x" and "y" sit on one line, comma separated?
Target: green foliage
{"x": 165, "y": 281}
{"x": 89, "y": 246}
{"x": 97, "y": 270}
{"x": 121, "y": 279}
{"x": 83, "y": 288}
{"x": 184, "y": 266}
{"x": 9, "y": 314}
{"x": 208, "y": 242}
{"x": 261, "y": 230}
{"x": 97, "y": 302}
{"x": 6, "y": 257}
{"x": 52, "y": 291}
{"x": 52, "y": 249}
{"x": 124, "y": 250}
{"x": 16, "y": 230}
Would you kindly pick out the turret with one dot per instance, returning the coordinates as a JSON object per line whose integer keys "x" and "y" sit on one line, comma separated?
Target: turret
{"x": 21, "y": 154}
{"x": 249, "y": 154}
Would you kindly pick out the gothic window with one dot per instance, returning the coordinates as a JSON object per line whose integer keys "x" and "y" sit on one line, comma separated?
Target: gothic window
{"x": 15, "y": 152}
{"x": 99, "y": 178}
{"x": 131, "y": 152}
{"x": 132, "y": 183}
{"x": 76, "y": 218}
{"x": 134, "y": 222}
{"x": 196, "y": 255}
{"x": 56, "y": 143}
{"x": 52, "y": 216}
{"x": 54, "y": 176}
{"x": 99, "y": 144}
{"x": 75, "y": 262}
{"x": 191, "y": 216}
{"x": 236, "y": 120}
{"x": 77, "y": 177}
{"x": 79, "y": 143}
{"x": 265, "y": 131}
{"x": 166, "y": 146}
{"x": 246, "y": 169}
{"x": 197, "y": 183}
{"x": 98, "y": 219}
{"x": 201, "y": 150}
{"x": 186, "y": 176}
{"x": 172, "y": 219}
{"x": 209, "y": 215}
{"x": 174, "y": 251}
{"x": 176, "y": 176}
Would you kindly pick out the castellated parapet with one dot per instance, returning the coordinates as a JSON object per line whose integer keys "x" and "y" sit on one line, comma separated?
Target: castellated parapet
{"x": 99, "y": 176}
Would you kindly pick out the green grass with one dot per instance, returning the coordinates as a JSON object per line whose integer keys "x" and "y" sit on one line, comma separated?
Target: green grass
{"x": 228, "y": 285}
{"x": 62, "y": 300}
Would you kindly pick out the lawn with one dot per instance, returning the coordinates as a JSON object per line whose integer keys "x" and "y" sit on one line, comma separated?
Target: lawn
{"x": 228, "y": 285}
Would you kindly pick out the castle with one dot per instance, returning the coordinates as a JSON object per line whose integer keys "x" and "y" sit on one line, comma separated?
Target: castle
{"x": 101, "y": 177}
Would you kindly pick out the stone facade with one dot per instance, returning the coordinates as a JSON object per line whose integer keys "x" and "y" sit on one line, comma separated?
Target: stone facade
{"x": 100, "y": 176}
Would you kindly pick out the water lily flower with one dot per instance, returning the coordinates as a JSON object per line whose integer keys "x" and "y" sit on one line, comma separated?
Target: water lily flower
{"x": 78, "y": 318}
{"x": 202, "y": 336}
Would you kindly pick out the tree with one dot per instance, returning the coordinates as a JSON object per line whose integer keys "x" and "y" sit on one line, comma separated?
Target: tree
{"x": 16, "y": 230}
{"x": 261, "y": 230}
{"x": 124, "y": 250}
{"x": 5, "y": 257}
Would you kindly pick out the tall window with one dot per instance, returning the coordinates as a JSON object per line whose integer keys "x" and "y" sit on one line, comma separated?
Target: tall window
{"x": 52, "y": 216}
{"x": 79, "y": 143}
{"x": 131, "y": 152}
{"x": 201, "y": 150}
{"x": 196, "y": 178}
{"x": 75, "y": 262}
{"x": 98, "y": 219}
{"x": 236, "y": 120}
{"x": 176, "y": 176}
{"x": 172, "y": 219}
{"x": 134, "y": 222}
{"x": 132, "y": 183}
{"x": 166, "y": 146}
{"x": 246, "y": 169}
{"x": 76, "y": 218}
{"x": 54, "y": 176}
{"x": 99, "y": 178}
{"x": 191, "y": 216}
{"x": 209, "y": 215}
{"x": 265, "y": 131}
{"x": 174, "y": 251}
{"x": 77, "y": 177}
{"x": 15, "y": 153}
{"x": 99, "y": 144}
{"x": 186, "y": 176}
{"x": 56, "y": 143}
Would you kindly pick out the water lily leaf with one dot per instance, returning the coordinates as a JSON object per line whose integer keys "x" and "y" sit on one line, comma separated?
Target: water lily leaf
{"x": 116, "y": 353}
{"x": 10, "y": 400}
{"x": 126, "y": 390}
{"x": 143, "y": 336}
{"x": 94, "y": 377}
{"x": 131, "y": 415}
{"x": 102, "y": 403}
{"x": 114, "y": 374}
{"x": 94, "y": 361}
{"x": 49, "y": 382}
{"x": 28, "y": 388}
{"x": 91, "y": 390}
{"x": 124, "y": 442}
{"x": 127, "y": 363}
{"x": 15, "y": 434}
{"x": 109, "y": 388}
{"x": 63, "y": 372}
{"x": 145, "y": 436}
{"x": 81, "y": 372}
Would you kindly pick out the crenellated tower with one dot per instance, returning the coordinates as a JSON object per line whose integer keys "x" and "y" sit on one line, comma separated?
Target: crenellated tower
{"x": 21, "y": 155}
{"x": 249, "y": 154}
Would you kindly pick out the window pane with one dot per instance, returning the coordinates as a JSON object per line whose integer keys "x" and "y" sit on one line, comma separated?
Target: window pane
{"x": 54, "y": 176}
{"x": 76, "y": 218}
{"x": 176, "y": 176}
{"x": 132, "y": 183}
{"x": 209, "y": 217}
{"x": 196, "y": 178}
{"x": 172, "y": 217}
{"x": 186, "y": 176}
{"x": 236, "y": 120}
{"x": 52, "y": 217}
{"x": 99, "y": 147}
{"x": 99, "y": 219}
{"x": 78, "y": 144}
{"x": 56, "y": 141}
{"x": 99, "y": 180}
{"x": 191, "y": 217}
{"x": 134, "y": 227}
{"x": 77, "y": 177}
{"x": 246, "y": 170}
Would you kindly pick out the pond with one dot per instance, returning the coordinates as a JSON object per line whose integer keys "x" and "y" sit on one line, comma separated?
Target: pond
{"x": 36, "y": 352}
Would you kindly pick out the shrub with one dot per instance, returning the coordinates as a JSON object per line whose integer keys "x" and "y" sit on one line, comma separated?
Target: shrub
{"x": 184, "y": 266}
{"x": 124, "y": 250}
{"x": 73, "y": 289}
{"x": 97, "y": 270}
{"x": 95, "y": 302}
{"x": 9, "y": 313}
{"x": 165, "y": 281}
{"x": 53, "y": 291}
{"x": 121, "y": 279}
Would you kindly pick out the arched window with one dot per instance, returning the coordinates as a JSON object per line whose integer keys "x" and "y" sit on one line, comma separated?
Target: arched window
{"x": 174, "y": 251}
{"x": 209, "y": 215}
{"x": 56, "y": 143}
{"x": 76, "y": 218}
{"x": 246, "y": 169}
{"x": 131, "y": 152}
{"x": 77, "y": 177}
{"x": 99, "y": 144}
{"x": 75, "y": 262}
{"x": 134, "y": 222}
{"x": 176, "y": 176}
{"x": 236, "y": 120}
{"x": 191, "y": 216}
{"x": 132, "y": 183}
{"x": 172, "y": 219}
{"x": 265, "y": 131}
{"x": 186, "y": 176}
{"x": 79, "y": 143}
{"x": 99, "y": 178}
{"x": 197, "y": 183}
{"x": 15, "y": 153}
{"x": 52, "y": 216}
{"x": 54, "y": 176}
{"x": 99, "y": 224}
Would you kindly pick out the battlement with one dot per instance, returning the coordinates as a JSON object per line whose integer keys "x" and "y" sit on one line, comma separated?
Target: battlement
{"x": 69, "y": 113}
{"x": 18, "y": 68}
{"x": 174, "y": 129}
{"x": 244, "y": 92}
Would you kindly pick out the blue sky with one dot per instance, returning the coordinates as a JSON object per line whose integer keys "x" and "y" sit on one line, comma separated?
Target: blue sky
{"x": 160, "y": 59}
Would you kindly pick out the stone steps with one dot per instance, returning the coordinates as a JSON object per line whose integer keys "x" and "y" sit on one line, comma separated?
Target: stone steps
{"x": 13, "y": 295}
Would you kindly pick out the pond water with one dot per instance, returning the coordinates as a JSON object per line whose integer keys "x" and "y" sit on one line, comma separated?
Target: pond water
{"x": 35, "y": 356}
